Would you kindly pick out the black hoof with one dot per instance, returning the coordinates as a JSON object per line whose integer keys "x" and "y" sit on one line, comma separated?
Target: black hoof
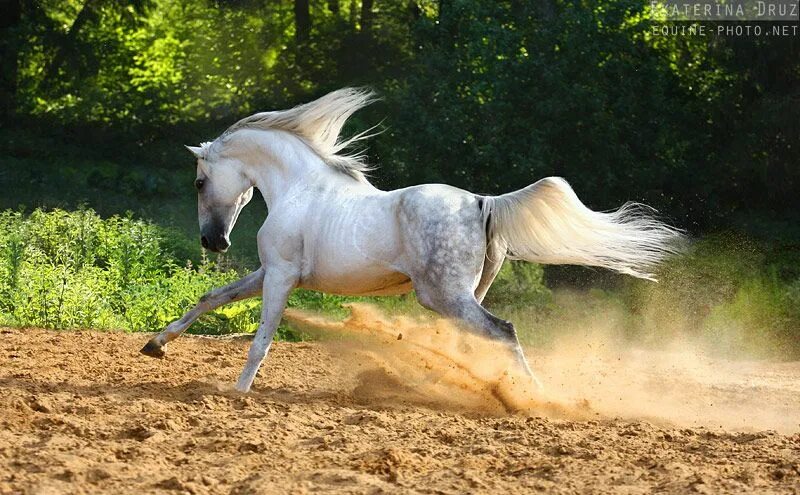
{"x": 153, "y": 350}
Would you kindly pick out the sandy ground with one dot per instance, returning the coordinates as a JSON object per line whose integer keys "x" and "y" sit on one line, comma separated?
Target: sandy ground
{"x": 83, "y": 412}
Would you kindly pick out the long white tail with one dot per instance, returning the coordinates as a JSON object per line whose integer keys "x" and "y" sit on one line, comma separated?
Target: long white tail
{"x": 547, "y": 223}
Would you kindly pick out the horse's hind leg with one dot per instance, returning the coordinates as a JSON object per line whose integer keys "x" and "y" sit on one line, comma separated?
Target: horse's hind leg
{"x": 493, "y": 261}
{"x": 466, "y": 309}
{"x": 447, "y": 252}
{"x": 244, "y": 288}
{"x": 495, "y": 256}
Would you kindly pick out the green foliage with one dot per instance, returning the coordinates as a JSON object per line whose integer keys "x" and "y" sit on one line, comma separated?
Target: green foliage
{"x": 177, "y": 62}
{"x": 728, "y": 293}
{"x": 759, "y": 319}
{"x": 519, "y": 284}
{"x": 485, "y": 95}
{"x": 62, "y": 269}
{"x": 503, "y": 93}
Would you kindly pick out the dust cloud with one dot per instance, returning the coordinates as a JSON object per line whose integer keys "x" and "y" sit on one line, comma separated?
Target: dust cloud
{"x": 397, "y": 360}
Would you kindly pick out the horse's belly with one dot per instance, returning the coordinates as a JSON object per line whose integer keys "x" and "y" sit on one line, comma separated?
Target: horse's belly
{"x": 364, "y": 282}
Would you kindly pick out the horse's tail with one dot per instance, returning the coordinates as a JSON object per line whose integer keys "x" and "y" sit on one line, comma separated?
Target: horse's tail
{"x": 547, "y": 223}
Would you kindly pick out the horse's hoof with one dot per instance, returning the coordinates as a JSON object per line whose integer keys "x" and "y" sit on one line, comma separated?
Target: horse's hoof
{"x": 153, "y": 350}
{"x": 242, "y": 389}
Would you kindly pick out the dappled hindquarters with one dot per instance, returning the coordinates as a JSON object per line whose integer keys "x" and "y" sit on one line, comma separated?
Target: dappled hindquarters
{"x": 84, "y": 412}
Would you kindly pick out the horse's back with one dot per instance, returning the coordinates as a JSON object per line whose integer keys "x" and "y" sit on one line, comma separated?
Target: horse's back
{"x": 437, "y": 212}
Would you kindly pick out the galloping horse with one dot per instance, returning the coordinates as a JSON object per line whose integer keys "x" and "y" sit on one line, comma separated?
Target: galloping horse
{"x": 330, "y": 230}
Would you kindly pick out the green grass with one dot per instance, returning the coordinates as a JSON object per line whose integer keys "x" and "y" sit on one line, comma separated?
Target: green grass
{"x": 61, "y": 269}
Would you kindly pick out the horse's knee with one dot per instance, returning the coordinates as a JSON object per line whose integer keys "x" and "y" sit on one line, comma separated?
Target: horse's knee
{"x": 204, "y": 303}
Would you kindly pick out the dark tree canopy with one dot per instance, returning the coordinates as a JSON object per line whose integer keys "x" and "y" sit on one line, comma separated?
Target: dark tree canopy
{"x": 484, "y": 95}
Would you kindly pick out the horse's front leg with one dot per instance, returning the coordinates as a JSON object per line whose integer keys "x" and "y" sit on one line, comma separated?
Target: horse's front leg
{"x": 246, "y": 287}
{"x": 278, "y": 283}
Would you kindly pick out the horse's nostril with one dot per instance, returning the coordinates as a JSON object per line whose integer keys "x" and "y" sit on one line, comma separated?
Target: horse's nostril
{"x": 204, "y": 241}
{"x": 224, "y": 244}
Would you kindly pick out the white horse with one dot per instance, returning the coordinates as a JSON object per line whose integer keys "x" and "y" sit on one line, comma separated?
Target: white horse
{"x": 330, "y": 230}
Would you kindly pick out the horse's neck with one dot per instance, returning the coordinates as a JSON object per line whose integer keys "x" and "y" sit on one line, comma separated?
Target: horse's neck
{"x": 285, "y": 165}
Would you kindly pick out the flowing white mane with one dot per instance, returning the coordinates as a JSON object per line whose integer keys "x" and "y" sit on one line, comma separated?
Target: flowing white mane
{"x": 319, "y": 124}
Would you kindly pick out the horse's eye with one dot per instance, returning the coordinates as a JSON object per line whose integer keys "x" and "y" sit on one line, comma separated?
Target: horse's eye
{"x": 199, "y": 184}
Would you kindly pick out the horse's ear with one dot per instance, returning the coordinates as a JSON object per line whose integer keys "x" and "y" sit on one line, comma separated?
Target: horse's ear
{"x": 197, "y": 151}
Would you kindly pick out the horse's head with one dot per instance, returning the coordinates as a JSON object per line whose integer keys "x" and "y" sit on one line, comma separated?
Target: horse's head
{"x": 222, "y": 191}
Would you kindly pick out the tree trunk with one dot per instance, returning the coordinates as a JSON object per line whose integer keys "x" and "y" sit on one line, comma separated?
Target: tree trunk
{"x": 353, "y": 14}
{"x": 302, "y": 21}
{"x": 9, "y": 47}
{"x": 67, "y": 47}
{"x": 414, "y": 10}
{"x": 366, "y": 16}
{"x": 443, "y": 8}
{"x": 333, "y": 6}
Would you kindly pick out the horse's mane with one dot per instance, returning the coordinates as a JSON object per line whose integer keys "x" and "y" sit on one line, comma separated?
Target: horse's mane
{"x": 319, "y": 124}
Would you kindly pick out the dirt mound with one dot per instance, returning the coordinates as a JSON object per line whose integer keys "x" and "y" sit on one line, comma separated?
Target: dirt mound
{"x": 430, "y": 362}
{"x": 83, "y": 412}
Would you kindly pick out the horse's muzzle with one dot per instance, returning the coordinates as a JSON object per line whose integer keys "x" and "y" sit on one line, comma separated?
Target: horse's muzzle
{"x": 216, "y": 243}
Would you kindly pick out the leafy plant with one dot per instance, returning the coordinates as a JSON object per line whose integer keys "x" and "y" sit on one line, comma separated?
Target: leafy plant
{"x": 61, "y": 269}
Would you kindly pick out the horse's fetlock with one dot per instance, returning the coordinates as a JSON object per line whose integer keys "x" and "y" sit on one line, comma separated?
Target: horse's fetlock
{"x": 508, "y": 328}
